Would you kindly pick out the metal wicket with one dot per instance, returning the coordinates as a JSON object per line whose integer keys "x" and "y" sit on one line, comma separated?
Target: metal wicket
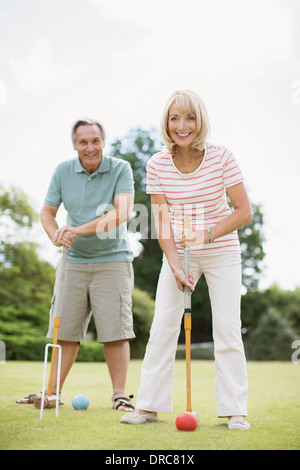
{"x": 49, "y": 345}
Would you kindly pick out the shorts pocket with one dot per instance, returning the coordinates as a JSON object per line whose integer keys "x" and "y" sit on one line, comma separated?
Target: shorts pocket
{"x": 126, "y": 305}
{"x": 51, "y": 319}
{"x": 126, "y": 316}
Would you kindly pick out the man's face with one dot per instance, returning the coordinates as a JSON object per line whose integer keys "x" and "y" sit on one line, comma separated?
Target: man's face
{"x": 89, "y": 144}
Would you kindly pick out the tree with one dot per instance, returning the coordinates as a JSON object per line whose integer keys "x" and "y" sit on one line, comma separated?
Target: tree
{"x": 286, "y": 302}
{"x": 26, "y": 282}
{"x": 137, "y": 148}
{"x": 26, "y": 285}
{"x": 272, "y": 338}
{"x": 15, "y": 207}
{"x": 252, "y": 238}
{"x": 26, "y": 289}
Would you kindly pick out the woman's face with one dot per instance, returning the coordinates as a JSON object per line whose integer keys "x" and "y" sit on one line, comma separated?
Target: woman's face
{"x": 182, "y": 126}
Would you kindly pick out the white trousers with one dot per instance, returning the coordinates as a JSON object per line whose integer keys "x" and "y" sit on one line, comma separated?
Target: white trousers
{"x": 223, "y": 277}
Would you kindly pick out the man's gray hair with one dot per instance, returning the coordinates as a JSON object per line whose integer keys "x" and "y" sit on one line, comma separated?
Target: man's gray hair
{"x": 86, "y": 122}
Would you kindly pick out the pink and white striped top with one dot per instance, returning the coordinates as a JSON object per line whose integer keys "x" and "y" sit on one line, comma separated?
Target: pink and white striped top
{"x": 200, "y": 195}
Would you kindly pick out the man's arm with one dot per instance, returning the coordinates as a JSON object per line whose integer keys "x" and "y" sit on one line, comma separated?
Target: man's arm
{"x": 48, "y": 220}
{"x": 123, "y": 204}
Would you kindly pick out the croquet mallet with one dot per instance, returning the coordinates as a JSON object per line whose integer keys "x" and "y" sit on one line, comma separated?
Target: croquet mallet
{"x": 187, "y": 323}
{"x": 49, "y": 400}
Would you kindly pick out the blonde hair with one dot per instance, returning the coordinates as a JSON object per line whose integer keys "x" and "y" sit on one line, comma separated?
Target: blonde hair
{"x": 189, "y": 102}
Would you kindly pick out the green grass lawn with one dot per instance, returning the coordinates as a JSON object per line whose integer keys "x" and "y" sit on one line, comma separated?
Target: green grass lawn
{"x": 274, "y": 411}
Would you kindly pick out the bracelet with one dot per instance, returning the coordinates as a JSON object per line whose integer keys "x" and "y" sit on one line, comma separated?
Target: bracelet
{"x": 211, "y": 240}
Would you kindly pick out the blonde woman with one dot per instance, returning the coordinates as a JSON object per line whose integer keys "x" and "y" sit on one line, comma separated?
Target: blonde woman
{"x": 190, "y": 178}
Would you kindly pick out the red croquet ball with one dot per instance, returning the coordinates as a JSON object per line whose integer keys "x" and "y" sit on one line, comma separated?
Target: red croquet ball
{"x": 186, "y": 421}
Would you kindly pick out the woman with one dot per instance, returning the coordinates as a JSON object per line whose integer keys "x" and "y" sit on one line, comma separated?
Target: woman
{"x": 190, "y": 178}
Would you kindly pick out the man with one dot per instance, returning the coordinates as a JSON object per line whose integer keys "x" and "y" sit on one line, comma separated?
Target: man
{"x": 97, "y": 193}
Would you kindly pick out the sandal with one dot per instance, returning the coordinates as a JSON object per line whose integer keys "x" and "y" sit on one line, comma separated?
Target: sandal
{"x": 28, "y": 400}
{"x": 36, "y": 399}
{"x": 49, "y": 401}
{"x": 120, "y": 399}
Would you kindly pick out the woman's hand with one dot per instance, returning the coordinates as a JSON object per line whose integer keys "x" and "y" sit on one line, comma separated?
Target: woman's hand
{"x": 64, "y": 236}
{"x": 182, "y": 281}
{"x": 190, "y": 236}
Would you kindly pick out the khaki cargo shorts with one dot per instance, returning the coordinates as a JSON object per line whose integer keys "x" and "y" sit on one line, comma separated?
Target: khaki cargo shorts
{"x": 103, "y": 290}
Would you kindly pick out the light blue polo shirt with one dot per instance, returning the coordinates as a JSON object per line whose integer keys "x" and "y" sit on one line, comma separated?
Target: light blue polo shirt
{"x": 87, "y": 196}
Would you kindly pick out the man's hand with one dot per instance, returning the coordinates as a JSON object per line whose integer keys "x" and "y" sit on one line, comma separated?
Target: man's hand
{"x": 64, "y": 236}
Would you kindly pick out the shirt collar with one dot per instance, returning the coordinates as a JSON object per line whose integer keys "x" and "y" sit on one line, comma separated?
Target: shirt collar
{"x": 102, "y": 168}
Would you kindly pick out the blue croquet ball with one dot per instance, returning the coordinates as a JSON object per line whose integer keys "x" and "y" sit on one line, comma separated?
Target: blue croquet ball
{"x": 80, "y": 402}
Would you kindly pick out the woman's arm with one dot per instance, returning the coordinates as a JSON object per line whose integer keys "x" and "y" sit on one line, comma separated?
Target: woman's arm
{"x": 167, "y": 242}
{"x": 241, "y": 215}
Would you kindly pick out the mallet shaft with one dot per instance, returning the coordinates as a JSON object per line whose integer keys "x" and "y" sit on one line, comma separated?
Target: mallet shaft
{"x": 187, "y": 323}
{"x": 57, "y": 314}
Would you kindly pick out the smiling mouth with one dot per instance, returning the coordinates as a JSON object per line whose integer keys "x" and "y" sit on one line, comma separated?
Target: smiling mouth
{"x": 183, "y": 135}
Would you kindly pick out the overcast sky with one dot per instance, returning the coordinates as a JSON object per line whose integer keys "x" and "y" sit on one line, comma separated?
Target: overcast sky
{"x": 118, "y": 61}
